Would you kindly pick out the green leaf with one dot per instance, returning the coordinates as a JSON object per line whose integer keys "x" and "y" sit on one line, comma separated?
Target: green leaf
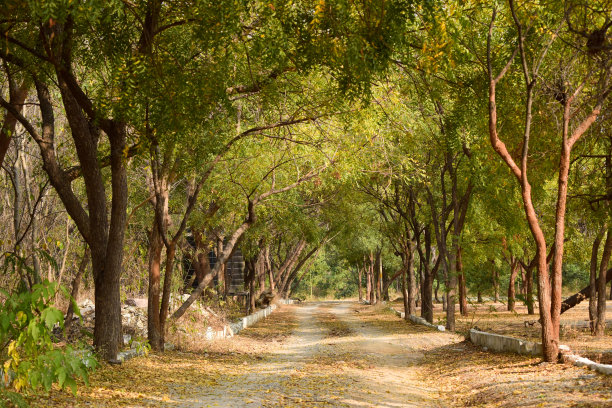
{"x": 71, "y": 384}
{"x": 61, "y": 376}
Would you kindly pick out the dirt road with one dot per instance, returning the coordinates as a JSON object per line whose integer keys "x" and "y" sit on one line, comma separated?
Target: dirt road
{"x": 335, "y": 354}
{"x": 332, "y": 359}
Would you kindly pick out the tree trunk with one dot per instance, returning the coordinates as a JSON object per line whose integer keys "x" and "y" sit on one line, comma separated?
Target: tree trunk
{"x": 426, "y": 296}
{"x": 405, "y": 294}
{"x": 17, "y": 97}
{"x": 523, "y": 288}
{"x": 463, "y": 305}
{"x": 444, "y": 302}
{"x": 76, "y": 284}
{"x": 372, "y": 280}
{"x": 261, "y": 274}
{"x": 600, "y": 323}
{"x": 514, "y": 268}
{"x": 479, "y": 296}
{"x": 409, "y": 271}
{"x": 379, "y": 275}
{"x": 593, "y": 279}
{"x": 221, "y": 276}
{"x": 495, "y": 280}
{"x": 529, "y": 288}
{"x": 368, "y": 273}
{"x": 155, "y": 254}
{"x": 359, "y": 277}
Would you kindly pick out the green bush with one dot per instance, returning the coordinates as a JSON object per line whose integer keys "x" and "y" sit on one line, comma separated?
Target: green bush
{"x": 30, "y": 359}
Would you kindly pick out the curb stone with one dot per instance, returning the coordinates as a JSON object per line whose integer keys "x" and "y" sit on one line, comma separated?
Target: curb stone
{"x": 418, "y": 320}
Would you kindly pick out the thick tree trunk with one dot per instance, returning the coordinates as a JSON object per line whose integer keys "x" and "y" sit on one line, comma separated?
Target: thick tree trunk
{"x": 426, "y": 296}
{"x": 444, "y": 302}
{"x": 108, "y": 334}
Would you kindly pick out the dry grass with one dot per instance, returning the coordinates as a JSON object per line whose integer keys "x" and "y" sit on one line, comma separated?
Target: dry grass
{"x": 469, "y": 376}
{"x": 148, "y": 382}
{"x": 494, "y": 318}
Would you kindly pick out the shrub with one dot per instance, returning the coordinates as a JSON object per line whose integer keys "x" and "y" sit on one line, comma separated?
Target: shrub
{"x": 30, "y": 359}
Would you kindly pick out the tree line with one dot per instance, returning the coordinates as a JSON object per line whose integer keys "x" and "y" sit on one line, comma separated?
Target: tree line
{"x": 441, "y": 144}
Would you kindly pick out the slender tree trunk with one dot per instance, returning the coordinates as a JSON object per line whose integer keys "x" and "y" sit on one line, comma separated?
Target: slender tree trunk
{"x": 379, "y": 275}
{"x": 600, "y": 324}
{"x": 463, "y": 305}
{"x": 479, "y": 296}
{"x": 529, "y": 289}
{"x": 523, "y": 287}
{"x": 221, "y": 276}
{"x": 153, "y": 308}
{"x": 372, "y": 280}
{"x": 409, "y": 270}
{"x": 359, "y": 278}
{"x": 165, "y": 301}
{"x": 593, "y": 279}
{"x": 405, "y": 295}
{"x": 514, "y": 268}
{"x": 261, "y": 275}
{"x": 495, "y": 280}
{"x": 368, "y": 277}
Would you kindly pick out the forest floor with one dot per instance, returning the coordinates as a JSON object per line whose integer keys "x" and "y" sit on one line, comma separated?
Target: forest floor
{"x": 494, "y": 317}
{"x": 337, "y": 354}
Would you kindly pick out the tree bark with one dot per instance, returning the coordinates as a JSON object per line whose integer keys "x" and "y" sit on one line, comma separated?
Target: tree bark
{"x": 379, "y": 275}
{"x": 600, "y": 323}
{"x": 410, "y": 277}
{"x": 514, "y": 268}
{"x": 359, "y": 278}
{"x": 405, "y": 295}
{"x": 17, "y": 97}
{"x": 463, "y": 305}
{"x": 593, "y": 279}
{"x": 495, "y": 279}
{"x": 76, "y": 284}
